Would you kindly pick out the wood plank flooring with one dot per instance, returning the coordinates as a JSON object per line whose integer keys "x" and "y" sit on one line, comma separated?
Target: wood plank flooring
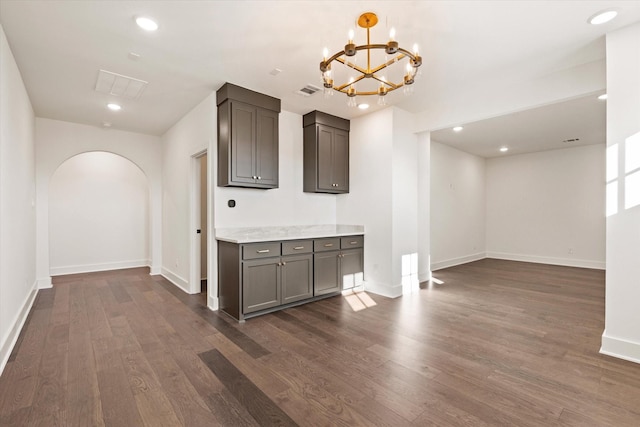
{"x": 497, "y": 343}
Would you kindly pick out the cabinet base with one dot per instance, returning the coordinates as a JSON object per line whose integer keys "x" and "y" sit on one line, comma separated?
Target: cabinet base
{"x": 244, "y": 317}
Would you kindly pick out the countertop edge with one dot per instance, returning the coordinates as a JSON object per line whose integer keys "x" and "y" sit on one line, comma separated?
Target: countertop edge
{"x": 318, "y": 234}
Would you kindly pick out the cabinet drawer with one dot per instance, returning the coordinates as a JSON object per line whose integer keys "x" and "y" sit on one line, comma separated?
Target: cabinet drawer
{"x": 351, "y": 242}
{"x": 260, "y": 250}
{"x": 297, "y": 247}
{"x": 330, "y": 244}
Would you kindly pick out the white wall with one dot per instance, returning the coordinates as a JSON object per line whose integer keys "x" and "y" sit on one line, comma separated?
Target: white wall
{"x": 457, "y": 206}
{"x": 369, "y": 200}
{"x": 404, "y": 201}
{"x": 17, "y": 202}
{"x": 621, "y": 337}
{"x": 98, "y": 215}
{"x": 385, "y": 162}
{"x": 547, "y": 207}
{"x": 58, "y": 141}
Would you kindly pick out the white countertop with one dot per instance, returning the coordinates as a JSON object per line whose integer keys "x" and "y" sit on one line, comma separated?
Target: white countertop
{"x": 267, "y": 234}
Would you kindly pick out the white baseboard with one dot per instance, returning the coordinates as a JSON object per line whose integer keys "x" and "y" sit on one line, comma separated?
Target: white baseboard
{"x": 424, "y": 276}
{"x": 622, "y": 349}
{"x": 90, "y": 268}
{"x": 567, "y": 262}
{"x": 180, "y": 282}
{"x": 155, "y": 270}
{"x": 44, "y": 283}
{"x": 213, "y": 303}
{"x": 455, "y": 261}
{"x": 16, "y": 327}
{"x": 385, "y": 291}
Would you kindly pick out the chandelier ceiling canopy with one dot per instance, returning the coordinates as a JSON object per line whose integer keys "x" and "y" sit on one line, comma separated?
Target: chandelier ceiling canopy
{"x": 357, "y": 75}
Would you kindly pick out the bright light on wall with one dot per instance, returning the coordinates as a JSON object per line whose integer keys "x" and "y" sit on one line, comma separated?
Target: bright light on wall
{"x": 632, "y": 171}
{"x": 612, "y": 180}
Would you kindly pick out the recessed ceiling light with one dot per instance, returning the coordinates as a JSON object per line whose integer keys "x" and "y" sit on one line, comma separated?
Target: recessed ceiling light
{"x": 457, "y": 128}
{"x": 504, "y": 149}
{"x": 602, "y": 97}
{"x": 363, "y": 106}
{"x": 146, "y": 24}
{"x": 602, "y": 17}
{"x": 114, "y": 107}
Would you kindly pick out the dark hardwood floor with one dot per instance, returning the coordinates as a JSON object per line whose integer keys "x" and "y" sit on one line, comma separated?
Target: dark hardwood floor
{"x": 497, "y": 343}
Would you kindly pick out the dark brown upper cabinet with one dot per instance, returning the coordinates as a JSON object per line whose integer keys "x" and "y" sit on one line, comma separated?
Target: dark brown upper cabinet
{"x": 247, "y": 138}
{"x": 326, "y": 153}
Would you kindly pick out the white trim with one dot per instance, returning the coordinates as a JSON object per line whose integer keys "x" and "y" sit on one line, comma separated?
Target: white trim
{"x": 620, "y": 348}
{"x": 385, "y": 291}
{"x": 180, "y": 282}
{"x": 567, "y": 262}
{"x": 90, "y": 268}
{"x": 44, "y": 283}
{"x": 155, "y": 270}
{"x": 455, "y": 261}
{"x": 195, "y": 222}
{"x": 213, "y": 303}
{"x": 16, "y": 328}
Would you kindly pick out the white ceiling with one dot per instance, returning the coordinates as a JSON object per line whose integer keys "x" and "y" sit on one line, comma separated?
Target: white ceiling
{"x": 537, "y": 129}
{"x": 60, "y": 46}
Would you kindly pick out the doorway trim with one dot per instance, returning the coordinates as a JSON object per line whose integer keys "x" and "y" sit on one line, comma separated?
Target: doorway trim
{"x": 194, "y": 224}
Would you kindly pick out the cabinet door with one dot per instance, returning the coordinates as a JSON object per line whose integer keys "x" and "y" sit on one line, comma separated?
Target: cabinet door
{"x": 351, "y": 268}
{"x": 297, "y": 278}
{"x": 267, "y": 148}
{"x": 260, "y": 284}
{"x": 243, "y": 137}
{"x": 325, "y": 272}
{"x": 340, "y": 163}
{"x": 325, "y": 158}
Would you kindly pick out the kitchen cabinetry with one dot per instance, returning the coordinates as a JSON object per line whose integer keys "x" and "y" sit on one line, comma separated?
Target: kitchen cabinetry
{"x": 338, "y": 264}
{"x": 326, "y": 153}
{"x": 257, "y": 278}
{"x": 247, "y": 138}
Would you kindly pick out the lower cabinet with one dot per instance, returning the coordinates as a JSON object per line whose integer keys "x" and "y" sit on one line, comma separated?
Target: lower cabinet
{"x": 271, "y": 282}
{"x": 337, "y": 270}
{"x": 256, "y": 278}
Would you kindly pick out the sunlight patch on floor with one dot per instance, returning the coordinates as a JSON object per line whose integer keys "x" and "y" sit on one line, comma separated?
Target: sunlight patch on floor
{"x": 359, "y": 301}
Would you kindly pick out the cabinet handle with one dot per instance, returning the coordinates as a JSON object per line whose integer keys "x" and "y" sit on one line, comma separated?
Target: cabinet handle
{"x": 297, "y": 248}
{"x": 263, "y": 251}
{"x": 353, "y": 243}
{"x": 328, "y": 245}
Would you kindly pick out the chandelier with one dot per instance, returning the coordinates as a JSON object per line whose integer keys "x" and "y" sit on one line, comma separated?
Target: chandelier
{"x": 365, "y": 79}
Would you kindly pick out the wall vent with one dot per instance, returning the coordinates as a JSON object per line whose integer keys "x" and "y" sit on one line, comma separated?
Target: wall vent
{"x": 308, "y": 90}
{"x": 119, "y": 85}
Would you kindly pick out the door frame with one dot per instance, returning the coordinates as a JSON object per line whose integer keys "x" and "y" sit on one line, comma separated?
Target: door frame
{"x": 195, "y": 222}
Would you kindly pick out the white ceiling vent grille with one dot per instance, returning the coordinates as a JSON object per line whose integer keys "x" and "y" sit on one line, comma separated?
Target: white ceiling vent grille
{"x": 308, "y": 90}
{"x": 119, "y": 85}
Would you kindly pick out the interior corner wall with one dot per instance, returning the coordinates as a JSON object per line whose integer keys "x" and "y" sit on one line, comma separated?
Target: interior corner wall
{"x": 404, "y": 200}
{"x": 547, "y": 207}
{"x": 458, "y": 206}
{"x": 621, "y": 337}
{"x": 58, "y": 141}
{"x": 368, "y": 202}
{"x": 424, "y": 206}
{"x": 189, "y": 137}
{"x": 17, "y": 202}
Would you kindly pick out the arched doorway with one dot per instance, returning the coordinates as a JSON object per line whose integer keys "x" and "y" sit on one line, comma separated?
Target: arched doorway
{"x": 99, "y": 214}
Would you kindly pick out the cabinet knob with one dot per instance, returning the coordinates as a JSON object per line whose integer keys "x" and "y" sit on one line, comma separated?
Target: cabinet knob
{"x": 259, "y": 177}
{"x": 254, "y": 177}
{"x": 284, "y": 263}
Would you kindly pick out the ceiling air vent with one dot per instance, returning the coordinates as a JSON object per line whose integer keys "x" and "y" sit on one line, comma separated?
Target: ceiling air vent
{"x": 569, "y": 141}
{"x": 308, "y": 90}
{"x": 119, "y": 85}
